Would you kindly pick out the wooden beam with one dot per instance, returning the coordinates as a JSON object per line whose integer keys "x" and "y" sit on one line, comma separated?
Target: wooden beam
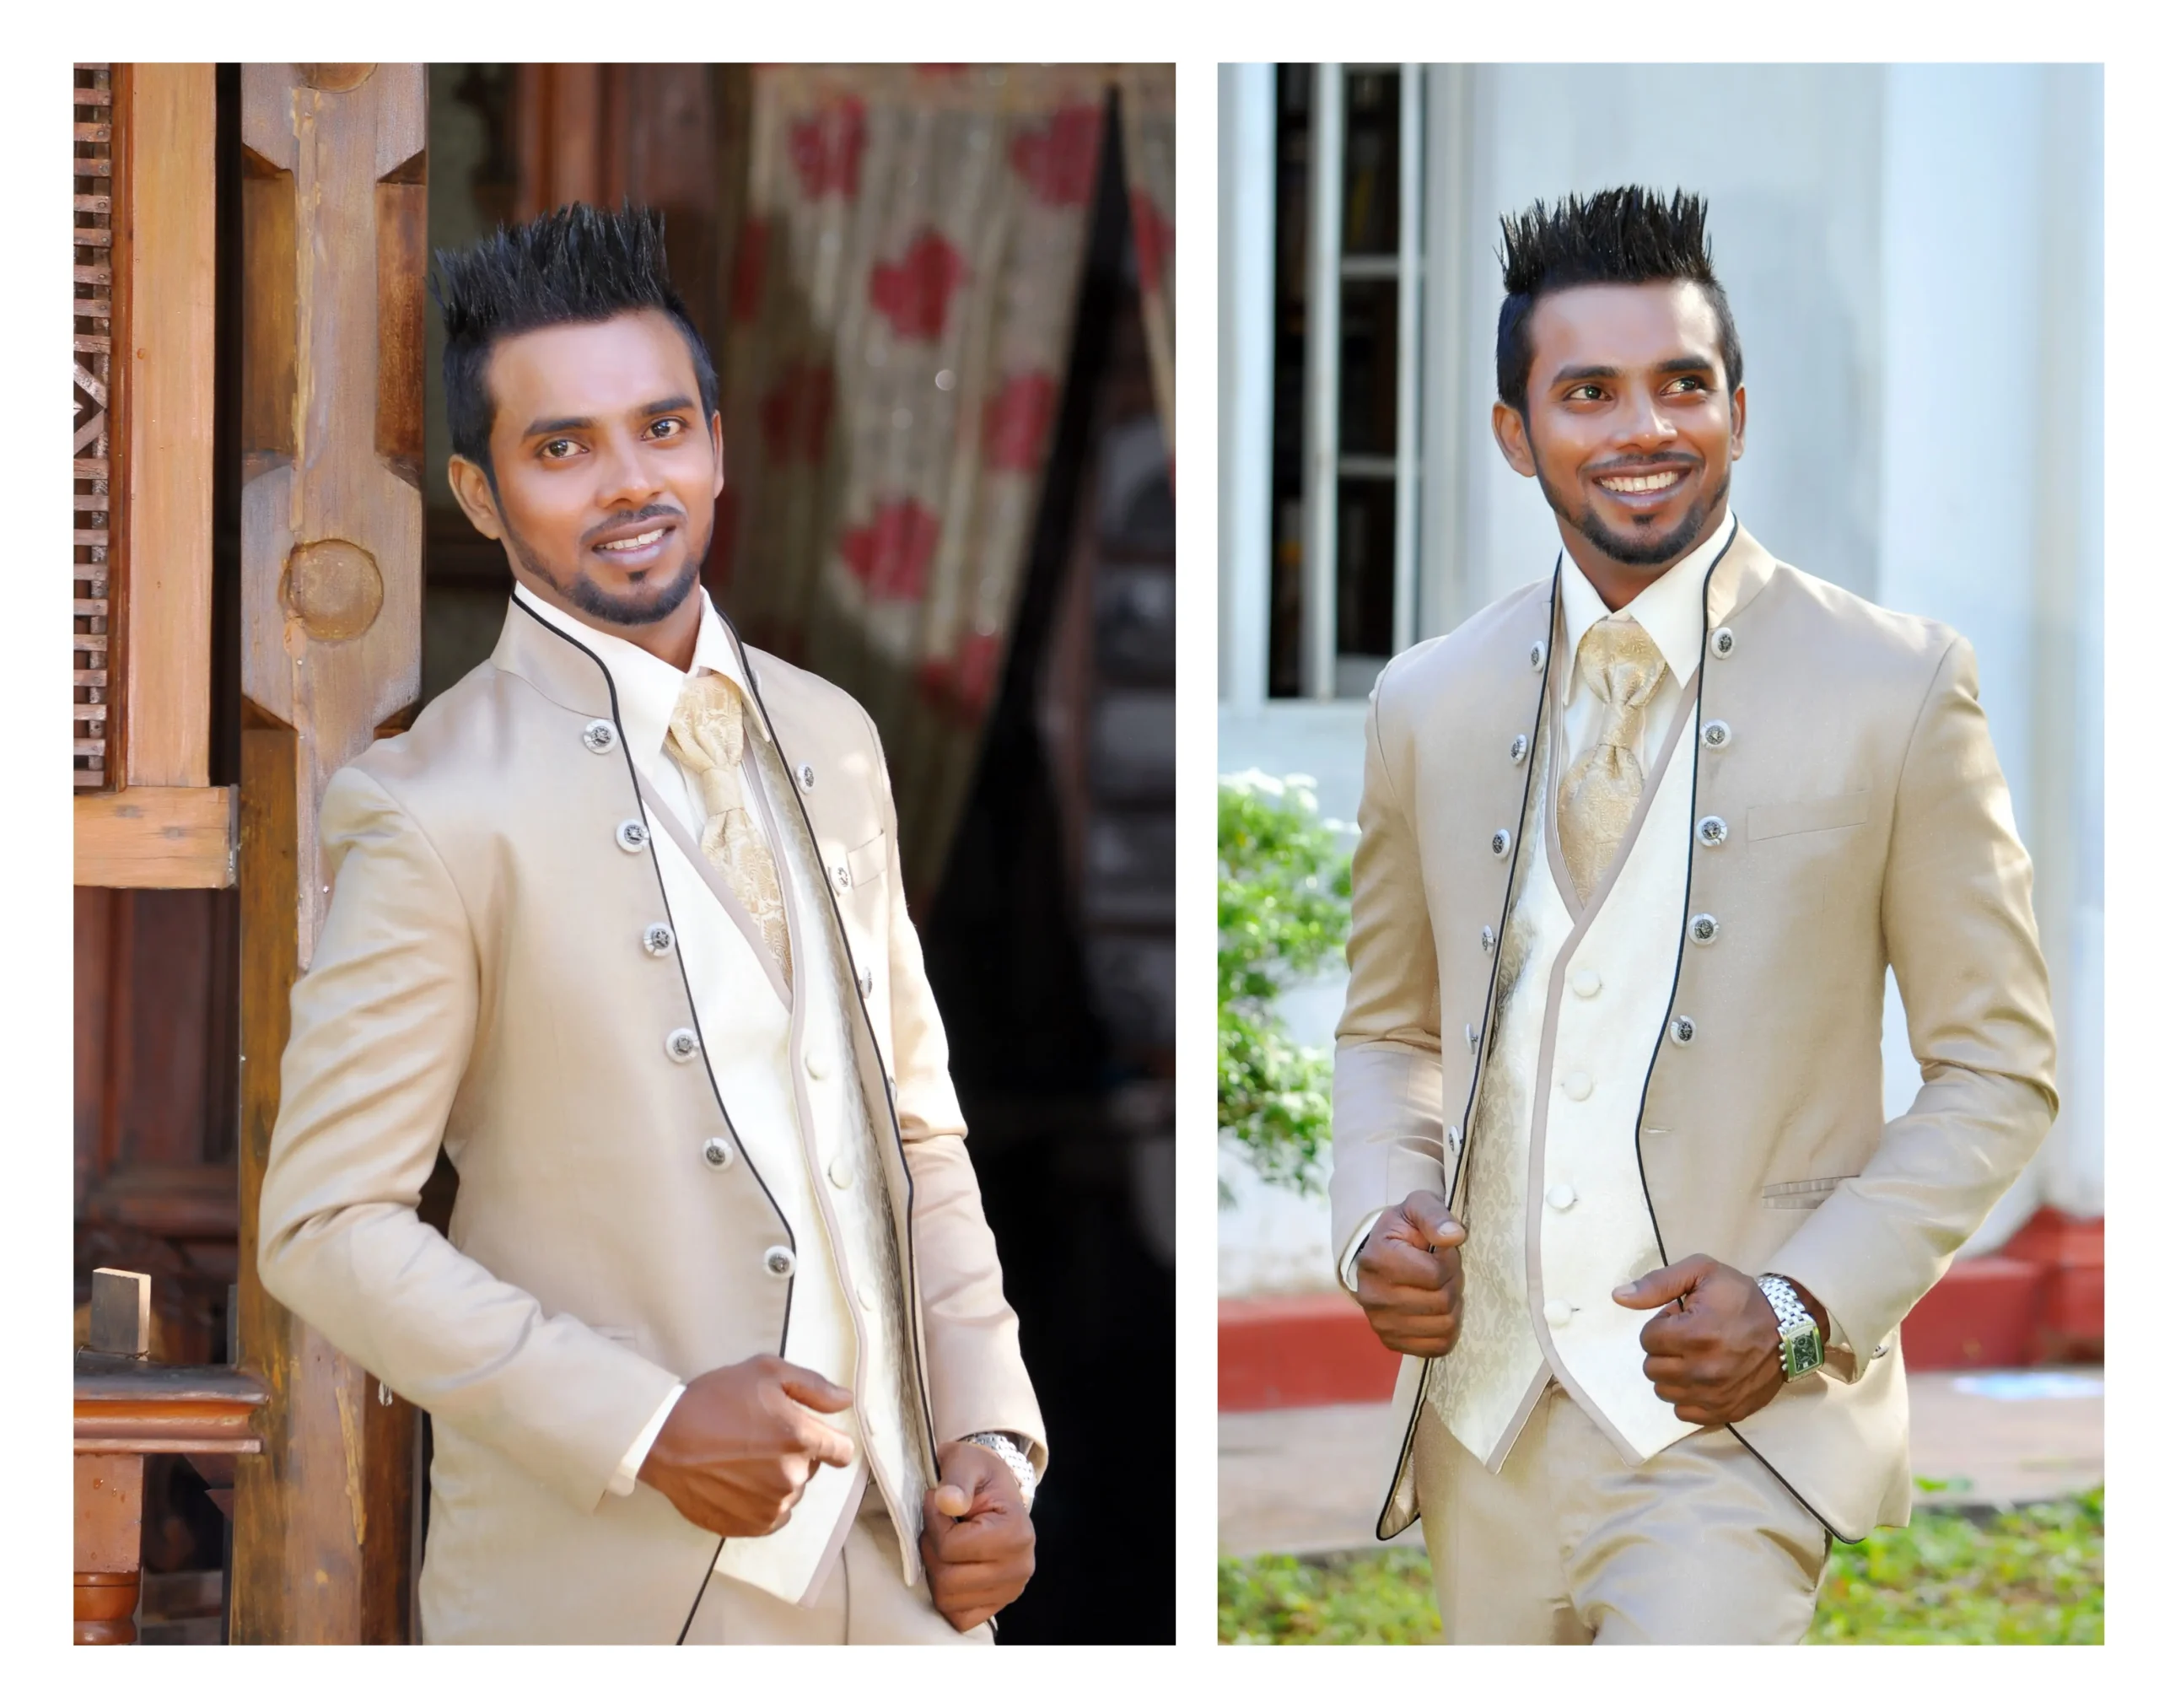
{"x": 330, "y": 652}
{"x": 165, "y": 266}
{"x": 155, "y": 839}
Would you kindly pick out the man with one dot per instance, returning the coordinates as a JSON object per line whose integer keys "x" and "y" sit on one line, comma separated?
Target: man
{"x": 1638, "y": 841}
{"x": 716, "y": 1349}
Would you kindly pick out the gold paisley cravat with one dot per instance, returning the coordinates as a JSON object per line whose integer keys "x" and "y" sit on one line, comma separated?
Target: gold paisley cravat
{"x": 705, "y": 736}
{"x": 1621, "y": 666}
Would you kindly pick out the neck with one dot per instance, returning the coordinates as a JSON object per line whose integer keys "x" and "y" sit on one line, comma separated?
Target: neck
{"x": 672, "y": 639}
{"x": 1618, "y": 584}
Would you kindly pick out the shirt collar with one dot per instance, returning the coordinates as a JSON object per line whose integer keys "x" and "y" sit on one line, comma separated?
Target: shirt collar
{"x": 1670, "y": 608}
{"x": 646, "y": 686}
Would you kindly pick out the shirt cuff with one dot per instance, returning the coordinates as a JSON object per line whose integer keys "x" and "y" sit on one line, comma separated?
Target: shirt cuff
{"x": 1346, "y": 1270}
{"x": 625, "y": 1479}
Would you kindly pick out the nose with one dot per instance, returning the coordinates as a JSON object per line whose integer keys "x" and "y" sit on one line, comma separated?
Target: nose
{"x": 1643, "y": 423}
{"x": 628, "y": 476}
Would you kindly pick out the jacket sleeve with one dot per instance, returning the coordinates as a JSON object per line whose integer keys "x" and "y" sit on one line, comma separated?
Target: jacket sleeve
{"x": 1957, "y": 915}
{"x": 382, "y": 1027}
{"x": 1390, "y": 1115}
{"x": 977, "y": 1381}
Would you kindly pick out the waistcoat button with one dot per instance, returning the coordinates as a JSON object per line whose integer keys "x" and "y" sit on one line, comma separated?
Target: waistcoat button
{"x": 1557, "y": 1311}
{"x": 840, "y": 1174}
{"x": 814, "y": 1064}
{"x": 1578, "y": 1086}
{"x": 1518, "y": 750}
{"x": 1559, "y": 1195}
{"x": 1586, "y": 981}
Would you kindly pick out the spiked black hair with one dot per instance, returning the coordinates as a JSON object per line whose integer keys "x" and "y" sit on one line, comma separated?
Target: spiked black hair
{"x": 575, "y": 264}
{"x": 1625, "y": 236}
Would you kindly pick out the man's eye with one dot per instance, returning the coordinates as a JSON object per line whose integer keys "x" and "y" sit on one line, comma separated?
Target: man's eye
{"x": 558, "y": 448}
{"x": 1586, "y": 393}
{"x": 668, "y": 427}
{"x": 1689, "y": 382}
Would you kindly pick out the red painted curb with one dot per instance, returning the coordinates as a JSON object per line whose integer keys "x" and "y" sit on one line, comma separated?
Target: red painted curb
{"x": 2041, "y": 1299}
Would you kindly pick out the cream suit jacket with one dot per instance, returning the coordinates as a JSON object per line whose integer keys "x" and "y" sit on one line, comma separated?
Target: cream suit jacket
{"x": 481, "y": 984}
{"x": 1855, "y": 819}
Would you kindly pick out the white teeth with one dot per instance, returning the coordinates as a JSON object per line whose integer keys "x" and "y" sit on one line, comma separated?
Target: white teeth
{"x": 1639, "y": 483}
{"x": 638, "y": 544}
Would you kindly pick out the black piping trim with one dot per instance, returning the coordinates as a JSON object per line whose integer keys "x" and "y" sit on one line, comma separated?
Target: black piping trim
{"x": 1641, "y": 1168}
{"x": 891, "y": 1106}
{"x": 652, "y": 854}
{"x": 1491, "y": 993}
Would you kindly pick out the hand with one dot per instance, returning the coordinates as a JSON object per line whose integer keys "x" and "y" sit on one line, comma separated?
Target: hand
{"x": 977, "y": 1542}
{"x": 1716, "y": 1354}
{"x": 1409, "y": 1277}
{"x": 737, "y": 1451}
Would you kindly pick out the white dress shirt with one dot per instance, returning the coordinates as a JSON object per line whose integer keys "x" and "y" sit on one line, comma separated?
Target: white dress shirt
{"x": 746, "y": 1029}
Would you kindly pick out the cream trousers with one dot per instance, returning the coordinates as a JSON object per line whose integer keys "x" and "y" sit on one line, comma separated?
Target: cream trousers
{"x": 864, "y": 1599}
{"x": 1569, "y": 1544}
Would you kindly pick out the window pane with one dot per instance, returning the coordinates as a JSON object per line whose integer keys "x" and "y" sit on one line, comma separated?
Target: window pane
{"x": 1364, "y": 566}
{"x": 1371, "y": 185}
{"x": 1370, "y": 310}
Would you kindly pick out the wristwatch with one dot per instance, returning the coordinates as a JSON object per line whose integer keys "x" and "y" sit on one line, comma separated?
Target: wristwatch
{"x": 1801, "y": 1335}
{"x": 1009, "y": 1450}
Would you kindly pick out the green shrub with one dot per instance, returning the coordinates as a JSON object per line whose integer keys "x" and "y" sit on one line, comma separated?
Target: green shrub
{"x": 1283, "y": 911}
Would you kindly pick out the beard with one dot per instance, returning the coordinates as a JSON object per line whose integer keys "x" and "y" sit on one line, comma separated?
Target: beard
{"x": 645, "y": 604}
{"x": 1632, "y": 549}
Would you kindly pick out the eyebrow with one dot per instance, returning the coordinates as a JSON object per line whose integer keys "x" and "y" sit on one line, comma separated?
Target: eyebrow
{"x": 1675, "y": 364}
{"x": 573, "y": 423}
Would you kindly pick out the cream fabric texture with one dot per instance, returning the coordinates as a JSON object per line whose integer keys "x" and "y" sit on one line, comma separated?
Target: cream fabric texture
{"x": 1569, "y": 1543}
{"x": 705, "y": 737}
{"x": 481, "y": 985}
{"x": 1866, "y": 827}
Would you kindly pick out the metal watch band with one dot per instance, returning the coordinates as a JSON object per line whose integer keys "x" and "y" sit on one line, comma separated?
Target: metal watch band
{"x": 1009, "y": 1450}
{"x": 1795, "y": 1325}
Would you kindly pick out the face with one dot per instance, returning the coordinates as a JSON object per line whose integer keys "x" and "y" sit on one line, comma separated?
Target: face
{"x": 1630, "y": 429}
{"x": 605, "y": 468}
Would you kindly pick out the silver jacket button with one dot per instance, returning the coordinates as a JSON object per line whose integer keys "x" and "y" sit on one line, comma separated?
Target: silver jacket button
{"x": 631, "y": 835}
{"x": 1711, "y": 832}
{"x": 779, "y": 1261}
{"x": 1537, "y": 655}
{"x": 1502, "y": 840}
{"x": 867, "y": 983}
{"x": 1722, "y": 642}
{"x": 718, "y": 1154}
{"x": 1716, "y": 733}
{"x": 1454, "y": 1138}
{"x": 682, "y": 1044}
{"x": 1486, "y": 939}
{"x": 658, "y": 939}
{"x": 809, "y": 777}
{"x": 1703, "y": 928}
{"x": 600, "y": 735}
{"x": 1471, "y": 1031}
{"x": 1518, "y": 749}
{"x": 842, "y": 877}
{"x": 1682, "y": 1030}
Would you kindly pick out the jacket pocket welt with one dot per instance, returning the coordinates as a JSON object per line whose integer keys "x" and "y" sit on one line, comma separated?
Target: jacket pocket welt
{"x": 1801, "y": 1194}
{"x": 1794, "y": 817}
{"x": 867, "y": 862}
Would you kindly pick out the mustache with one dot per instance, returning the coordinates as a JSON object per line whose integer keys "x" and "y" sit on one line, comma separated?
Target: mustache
{"x": 650, "y": 512}
{"x": 1633, "y": 465}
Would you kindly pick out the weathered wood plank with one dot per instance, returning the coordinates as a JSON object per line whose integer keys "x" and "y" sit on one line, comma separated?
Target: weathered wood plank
{"x": 154, "y": 838}
{"x": 166, "y": 259}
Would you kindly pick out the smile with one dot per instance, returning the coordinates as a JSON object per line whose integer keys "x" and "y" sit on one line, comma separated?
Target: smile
{"x": 636, "y": 542}
{"x": 1639, "y": 483}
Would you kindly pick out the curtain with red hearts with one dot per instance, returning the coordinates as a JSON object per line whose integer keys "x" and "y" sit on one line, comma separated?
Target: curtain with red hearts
{"x": 898, "y": 331}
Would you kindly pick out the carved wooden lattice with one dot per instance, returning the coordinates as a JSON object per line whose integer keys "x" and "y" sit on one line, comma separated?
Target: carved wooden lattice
{"x": 94, "y": 225}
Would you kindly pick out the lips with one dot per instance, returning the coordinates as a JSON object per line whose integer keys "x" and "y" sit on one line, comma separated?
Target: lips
{"x": 635, "y": 544}
{"x": 1642, "y": 488}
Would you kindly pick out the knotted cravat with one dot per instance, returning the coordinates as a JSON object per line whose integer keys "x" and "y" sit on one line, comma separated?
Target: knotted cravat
{"x": 1621, "y": 666}
{"x": 705, "y": 736}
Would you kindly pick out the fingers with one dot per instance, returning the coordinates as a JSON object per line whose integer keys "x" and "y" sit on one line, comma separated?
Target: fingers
{"x": 810, "y": 1388}
{"x": 822, "y": 1442}
{"x": 950, "y": 1500}
{"x": 1427, "y": 1215}
{"x": 1662, "y": 1286}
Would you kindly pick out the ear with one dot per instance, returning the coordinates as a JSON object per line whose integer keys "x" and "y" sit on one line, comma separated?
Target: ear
{"x": 1512, "y": 434}
{"x": 718, "y": 456}
{"x": 1738, "y": 423}
{"x": 476, "y": 496}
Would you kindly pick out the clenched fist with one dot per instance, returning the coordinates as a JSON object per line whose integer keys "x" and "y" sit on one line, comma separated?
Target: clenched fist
{"x": 1409, "y": 1277}
{"x": 742, "y": 1443}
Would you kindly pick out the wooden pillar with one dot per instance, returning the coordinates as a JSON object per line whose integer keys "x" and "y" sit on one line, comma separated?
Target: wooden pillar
{"x": 108, "y": 1486}
{"x": 334, "y": 223}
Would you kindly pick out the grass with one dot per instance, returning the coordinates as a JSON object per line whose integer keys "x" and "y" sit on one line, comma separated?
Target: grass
{"x": 2033, "y": 1575}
